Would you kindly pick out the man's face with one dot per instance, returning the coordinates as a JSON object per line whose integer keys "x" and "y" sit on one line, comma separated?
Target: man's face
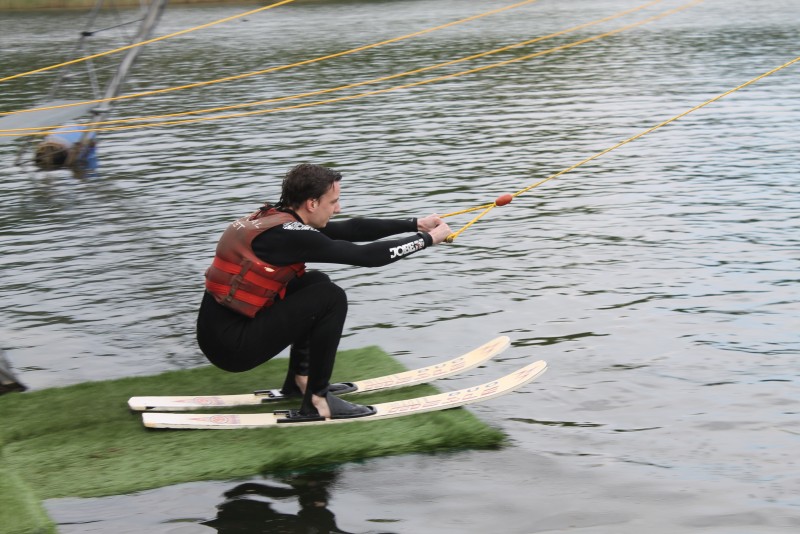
{"x": 327, "y": 206}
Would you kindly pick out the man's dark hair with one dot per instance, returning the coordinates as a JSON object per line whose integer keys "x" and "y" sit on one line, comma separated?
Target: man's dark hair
{"x": 306, "y": 181}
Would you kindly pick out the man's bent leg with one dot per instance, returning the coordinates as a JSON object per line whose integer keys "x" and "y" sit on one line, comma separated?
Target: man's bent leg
{"x": 299, "y": 353}
{"x": 326, "y": 331}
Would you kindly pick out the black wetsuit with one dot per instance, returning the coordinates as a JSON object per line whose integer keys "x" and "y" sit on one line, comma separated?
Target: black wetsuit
{"x": 311, "y": 316}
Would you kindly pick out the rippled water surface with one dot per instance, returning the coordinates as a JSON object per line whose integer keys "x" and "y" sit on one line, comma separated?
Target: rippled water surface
{"x": 660, "y": 281}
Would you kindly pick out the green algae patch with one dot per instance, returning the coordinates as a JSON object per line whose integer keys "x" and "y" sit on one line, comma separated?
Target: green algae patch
{"x": 82, "y": 441}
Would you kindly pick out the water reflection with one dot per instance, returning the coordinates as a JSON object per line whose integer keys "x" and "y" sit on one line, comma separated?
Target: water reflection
{"x": 256, "y": 507}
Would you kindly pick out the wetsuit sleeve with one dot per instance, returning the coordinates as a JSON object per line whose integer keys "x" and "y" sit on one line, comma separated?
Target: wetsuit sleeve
{"x": 367, "y": 229}
{"x": 283, "y": 246}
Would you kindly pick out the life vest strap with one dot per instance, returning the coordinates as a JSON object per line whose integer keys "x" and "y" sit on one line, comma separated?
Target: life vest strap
{"x": 244, "y": 296}
{"x": 249, "y": 276}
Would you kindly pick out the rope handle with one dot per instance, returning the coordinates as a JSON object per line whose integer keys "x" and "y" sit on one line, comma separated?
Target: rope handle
{"x": 502, "y": 200}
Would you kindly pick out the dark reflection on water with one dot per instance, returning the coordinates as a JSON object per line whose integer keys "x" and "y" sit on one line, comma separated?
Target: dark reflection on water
{"x": 249, "y": 507}
{"x": 553, "y": 423}
{"x": 660, "y": 269}
{"x": 289, "y": 503}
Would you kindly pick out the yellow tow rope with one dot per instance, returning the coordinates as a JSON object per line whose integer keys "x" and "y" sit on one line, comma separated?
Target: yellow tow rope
{"x": 142, "y": 43}
{"x": 93, "y": 127}
{"x": 502, "y": 200}
{"x": 258, "y": 72}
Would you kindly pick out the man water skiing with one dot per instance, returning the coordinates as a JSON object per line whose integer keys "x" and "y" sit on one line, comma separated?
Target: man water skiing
{"x": 259, "y": 298}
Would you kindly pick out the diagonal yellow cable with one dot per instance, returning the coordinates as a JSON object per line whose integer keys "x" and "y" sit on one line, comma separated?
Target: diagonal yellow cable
{"x": 378, "y": 91}
{"x": 281, "y": 67}
{"x": 352, "y": 85}
{"x": 452, "y": 237}
{"x": 390, "y": 77}
{"x": 149, "y": 41}
{"x": 488, "y": 207}
{"x": 369, "y": 93}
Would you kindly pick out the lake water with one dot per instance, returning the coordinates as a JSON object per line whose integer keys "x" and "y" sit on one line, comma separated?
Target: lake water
{"x": 660, "y": 281}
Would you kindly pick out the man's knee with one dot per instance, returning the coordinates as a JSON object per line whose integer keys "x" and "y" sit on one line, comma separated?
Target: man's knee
{"x": 334, "y": 294}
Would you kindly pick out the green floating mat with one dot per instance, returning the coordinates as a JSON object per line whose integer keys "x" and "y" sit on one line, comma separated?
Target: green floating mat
{"x": 82, "y": 441}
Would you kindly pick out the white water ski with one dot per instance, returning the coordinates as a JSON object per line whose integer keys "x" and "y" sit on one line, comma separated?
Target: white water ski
{"x": 422, "y": 375}
{"x": 440, "y": 401}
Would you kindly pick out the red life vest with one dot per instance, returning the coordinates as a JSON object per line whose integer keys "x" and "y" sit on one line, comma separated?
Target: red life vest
{"x": 237, "y": 278}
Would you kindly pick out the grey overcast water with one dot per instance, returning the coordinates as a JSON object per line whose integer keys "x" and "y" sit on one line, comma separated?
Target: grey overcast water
{"x": 660, "y": 281}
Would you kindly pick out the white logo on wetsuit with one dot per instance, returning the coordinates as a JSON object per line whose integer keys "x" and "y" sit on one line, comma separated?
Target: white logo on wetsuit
{"x": 408, "y": 248}
{"x": 295, "y": 225}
